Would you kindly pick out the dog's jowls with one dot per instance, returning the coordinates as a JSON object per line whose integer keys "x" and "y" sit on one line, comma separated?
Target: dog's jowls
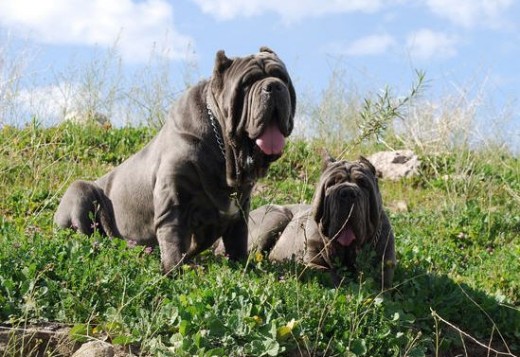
{"x": 192, "y": 183}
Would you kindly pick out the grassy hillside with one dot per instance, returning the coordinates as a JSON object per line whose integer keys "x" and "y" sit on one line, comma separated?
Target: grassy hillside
{"x": 457, "y": 281}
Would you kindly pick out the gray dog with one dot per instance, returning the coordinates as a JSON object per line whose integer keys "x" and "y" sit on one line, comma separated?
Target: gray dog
{"x": 346, "y": 215}
{"x": 192, "y": 183}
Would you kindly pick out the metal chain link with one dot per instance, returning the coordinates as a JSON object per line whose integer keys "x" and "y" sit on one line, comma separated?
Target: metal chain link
{"x": 220, "y": 142}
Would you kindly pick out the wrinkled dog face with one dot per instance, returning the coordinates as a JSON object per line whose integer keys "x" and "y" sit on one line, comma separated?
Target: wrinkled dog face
{"x": 257, "y": 98}
{"x": 347, "y": 205}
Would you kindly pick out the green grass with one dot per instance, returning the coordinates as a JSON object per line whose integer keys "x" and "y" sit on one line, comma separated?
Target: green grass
{"x": 458, "y": 249}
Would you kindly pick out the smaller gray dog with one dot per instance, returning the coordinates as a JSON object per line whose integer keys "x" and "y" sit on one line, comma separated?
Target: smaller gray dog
{"x": 346, "y": 215}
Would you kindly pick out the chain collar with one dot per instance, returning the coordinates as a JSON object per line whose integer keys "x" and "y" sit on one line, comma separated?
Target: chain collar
{"x": 378, "y": 233}
{"x": 249, "y": 162}
{"x": 218, "y": 138}
{"x": 216, "y": 131}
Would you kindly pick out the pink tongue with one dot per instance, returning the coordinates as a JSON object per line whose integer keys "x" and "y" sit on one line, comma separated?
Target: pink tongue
{"x": 271, "y": 141}
{"x": 346, "y": 237}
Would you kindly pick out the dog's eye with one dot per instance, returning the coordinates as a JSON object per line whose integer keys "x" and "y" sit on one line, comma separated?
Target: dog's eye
{"x": 362, "y": 181}
{"x": 339, "y": 179}
{"x": 249, "y": 79}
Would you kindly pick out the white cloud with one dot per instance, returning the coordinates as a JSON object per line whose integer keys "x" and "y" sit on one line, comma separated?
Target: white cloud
{"x": 426, "y": 44}
{"x": 371, "y": 45}
{"x": 290, "y": 10}
{"x": 137, "y": 26}
{"x": 470, "y": 13}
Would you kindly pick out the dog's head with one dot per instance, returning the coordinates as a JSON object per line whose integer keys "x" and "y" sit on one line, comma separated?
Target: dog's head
{"x": 256, "y": 104}
{"x": 347, "y": 203}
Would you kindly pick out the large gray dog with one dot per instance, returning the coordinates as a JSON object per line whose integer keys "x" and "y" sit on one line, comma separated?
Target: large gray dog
{"x": 346, "y": 215}
{"x": 192, "y": 183}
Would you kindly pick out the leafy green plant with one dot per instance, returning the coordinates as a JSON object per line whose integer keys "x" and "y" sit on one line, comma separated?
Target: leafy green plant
{"x": 457, "y": 248}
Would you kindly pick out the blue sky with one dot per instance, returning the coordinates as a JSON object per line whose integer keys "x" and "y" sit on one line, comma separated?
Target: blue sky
{"x": 463, "y": 45}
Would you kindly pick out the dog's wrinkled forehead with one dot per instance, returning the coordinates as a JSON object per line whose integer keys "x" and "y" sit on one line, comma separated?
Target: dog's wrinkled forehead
{"x": 344, "y": 171}
{"x": 239, "y": 72}
{"x": 247, "y": 70}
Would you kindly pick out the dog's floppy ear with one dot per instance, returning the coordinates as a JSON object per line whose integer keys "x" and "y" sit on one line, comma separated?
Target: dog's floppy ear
{"x": 363, "y": 160}
{"x": 375, "y": 195}
{"x": 222, "y": 63}
{"x": 318, "y": 201}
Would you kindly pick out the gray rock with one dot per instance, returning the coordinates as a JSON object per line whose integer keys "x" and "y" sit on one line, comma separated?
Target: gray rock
{"x": 394, "y": 165}
{"x": 95, "y": 349}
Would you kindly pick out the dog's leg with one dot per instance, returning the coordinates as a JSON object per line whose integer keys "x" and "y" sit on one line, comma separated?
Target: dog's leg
{"x": 235, "y": 240}
{"x": 386, "y": 251}
{"x": 201, "y": 240}
{"x": 80, "y": 208}
{"x": 173, "y": 244}
{"x": 266, "y": 224}
{"x": 171, "y": 228}
{"x": 389, "y": 261}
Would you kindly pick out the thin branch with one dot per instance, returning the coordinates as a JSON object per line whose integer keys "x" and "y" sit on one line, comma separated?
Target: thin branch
{"x": 467, "y": 335}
